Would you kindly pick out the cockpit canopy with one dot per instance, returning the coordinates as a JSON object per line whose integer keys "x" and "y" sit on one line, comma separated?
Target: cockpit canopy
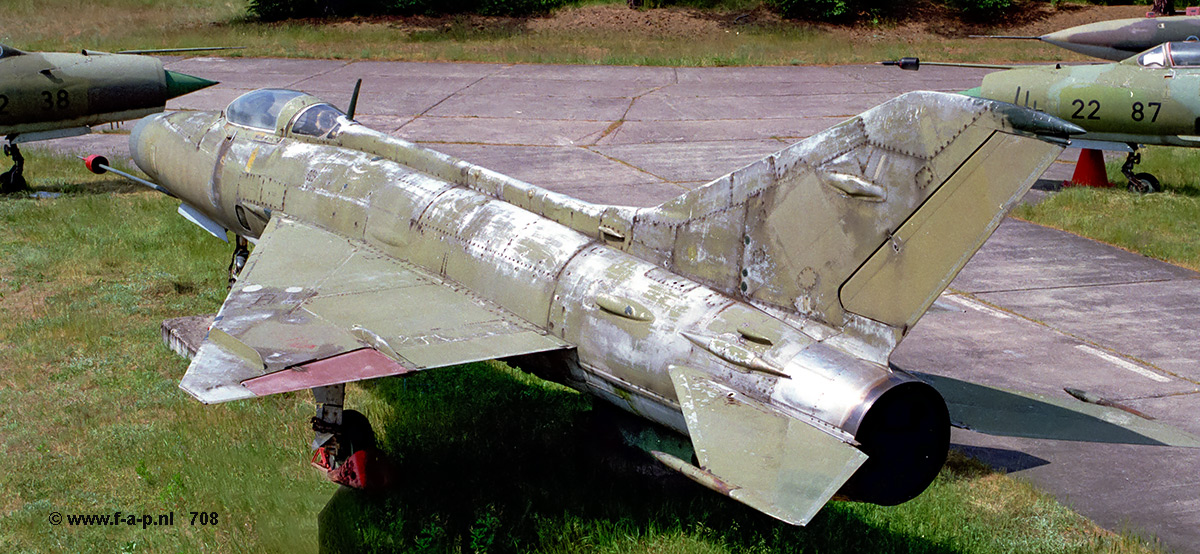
{"x": 272, "y": 109}
{"x": 260, "y": 109}
{"x": 1171, "y": 54}
{"x": 8, "y": 51}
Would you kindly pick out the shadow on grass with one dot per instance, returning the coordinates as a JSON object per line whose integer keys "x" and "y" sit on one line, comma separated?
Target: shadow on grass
{"x": 1190, "y": 191}
{"x": 489, "y": 460}
{"x": 76, "y": 188}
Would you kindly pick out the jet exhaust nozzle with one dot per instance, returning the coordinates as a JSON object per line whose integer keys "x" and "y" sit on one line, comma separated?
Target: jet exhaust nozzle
{"x": 906, "y": 435}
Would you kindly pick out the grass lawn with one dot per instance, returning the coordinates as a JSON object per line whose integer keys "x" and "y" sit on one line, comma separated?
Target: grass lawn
{"x": 488, "y": 458}
{"x": 1163, "y": 225}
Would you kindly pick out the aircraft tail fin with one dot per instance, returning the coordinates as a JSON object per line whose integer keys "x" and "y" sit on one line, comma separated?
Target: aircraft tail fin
{"x": 863, "y": 225}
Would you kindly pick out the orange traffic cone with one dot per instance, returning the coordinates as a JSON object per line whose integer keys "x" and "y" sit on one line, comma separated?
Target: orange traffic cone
{"x": 1089, "y": 170}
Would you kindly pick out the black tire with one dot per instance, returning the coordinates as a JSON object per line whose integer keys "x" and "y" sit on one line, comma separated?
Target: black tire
{"x": 1144, "y": 183}
{"x": 11, "y": 181}
{"x": 357, "y": 433}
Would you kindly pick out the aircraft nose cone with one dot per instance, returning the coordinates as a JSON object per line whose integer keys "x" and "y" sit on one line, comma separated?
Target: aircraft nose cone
{"x": 179, "y": 84}
{"x": 139, "y": 149}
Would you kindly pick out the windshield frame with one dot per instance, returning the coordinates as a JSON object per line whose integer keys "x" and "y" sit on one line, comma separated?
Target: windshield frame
{"x": 1160, "y": 51}
{"x": 323, "y": 129}
{"x": 249, "y": 112}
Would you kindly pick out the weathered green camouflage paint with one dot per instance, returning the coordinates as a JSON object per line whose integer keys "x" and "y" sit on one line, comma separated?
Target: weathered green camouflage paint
{"x": 1116, "y": 102}
{"x": 46, "y": 91}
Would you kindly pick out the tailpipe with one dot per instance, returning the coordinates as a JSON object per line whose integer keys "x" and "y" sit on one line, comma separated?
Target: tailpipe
{"x": 905, "y": 434}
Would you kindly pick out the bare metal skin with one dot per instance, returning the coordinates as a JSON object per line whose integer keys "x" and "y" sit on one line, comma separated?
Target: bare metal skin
{"x": 754, "y": 316}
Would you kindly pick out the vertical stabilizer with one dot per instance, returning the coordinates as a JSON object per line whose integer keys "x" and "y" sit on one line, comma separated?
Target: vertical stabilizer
{"x": 863, "y": 225}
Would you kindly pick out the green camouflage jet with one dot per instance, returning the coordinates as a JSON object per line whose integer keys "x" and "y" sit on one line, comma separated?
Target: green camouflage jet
{"x": 1120, "y": 38}
{"x": 752, "y": 318}
{"x": 47, "y": 95}
{"x": 1150, "y": 98}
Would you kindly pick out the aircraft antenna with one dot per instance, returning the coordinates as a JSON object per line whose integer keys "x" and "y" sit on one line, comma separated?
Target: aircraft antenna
{"x": 353, "y": 101}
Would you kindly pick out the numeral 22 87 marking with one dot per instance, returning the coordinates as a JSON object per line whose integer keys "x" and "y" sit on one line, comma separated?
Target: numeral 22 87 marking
{"x": 1139, "y": 111}
{"x": 1079, "y": 106}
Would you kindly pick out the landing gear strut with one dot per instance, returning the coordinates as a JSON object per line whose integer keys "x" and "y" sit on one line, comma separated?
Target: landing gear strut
{"x": 344, "y": 443}
{"x": 13, "y": 180}
{"x": 1138, "y": 182}
{"x": 241, "y": 251}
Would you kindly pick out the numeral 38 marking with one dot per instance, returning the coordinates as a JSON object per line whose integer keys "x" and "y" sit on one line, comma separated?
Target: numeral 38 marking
{"x": 51, "y": 100}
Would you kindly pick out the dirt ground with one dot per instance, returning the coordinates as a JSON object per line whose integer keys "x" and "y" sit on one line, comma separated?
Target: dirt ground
{"x": 923, "y": 20}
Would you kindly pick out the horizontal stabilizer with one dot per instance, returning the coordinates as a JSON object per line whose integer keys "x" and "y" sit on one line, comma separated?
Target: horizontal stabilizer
{"x": 996, "y": 411}
{"x": 778, "y": 464}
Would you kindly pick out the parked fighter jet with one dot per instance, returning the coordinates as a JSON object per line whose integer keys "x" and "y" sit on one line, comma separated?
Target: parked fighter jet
{"x": 46, "y": 95}
{"x": 1149, "y": 98}
{"x": 1120, "y": 38}
{"x": 754, "y": 315}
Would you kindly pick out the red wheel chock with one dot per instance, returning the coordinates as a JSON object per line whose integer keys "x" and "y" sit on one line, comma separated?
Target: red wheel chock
{"x": 1089, "y": 170}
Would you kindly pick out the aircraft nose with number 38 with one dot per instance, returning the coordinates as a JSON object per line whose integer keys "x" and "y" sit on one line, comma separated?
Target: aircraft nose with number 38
{"x": 751, "y": 318}
{"x": 47, "y": 95}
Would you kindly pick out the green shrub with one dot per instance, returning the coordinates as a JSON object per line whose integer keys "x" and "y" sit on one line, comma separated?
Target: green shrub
{"x": 274, "y": 10}
{"x": 832, "y": 10}
{"x": 517, "y": 7}
{"x": 979, "y": 7}
{"x": 484, "y": 7}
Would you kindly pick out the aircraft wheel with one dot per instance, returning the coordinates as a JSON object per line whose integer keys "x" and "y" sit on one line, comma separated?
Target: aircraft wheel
{"x": 356, "y": 433}
{"x": 1144, "y": 183}
{"x": 12, "y": 181}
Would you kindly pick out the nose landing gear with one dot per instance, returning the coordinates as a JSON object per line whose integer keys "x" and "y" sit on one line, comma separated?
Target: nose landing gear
{"x": 13, "y": 180}
{"x": 1138, "y": 182}
{"x": 241, "y": 252}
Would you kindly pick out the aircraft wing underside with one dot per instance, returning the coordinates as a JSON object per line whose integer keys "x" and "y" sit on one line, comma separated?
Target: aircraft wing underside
{"x": 313, "y": 309}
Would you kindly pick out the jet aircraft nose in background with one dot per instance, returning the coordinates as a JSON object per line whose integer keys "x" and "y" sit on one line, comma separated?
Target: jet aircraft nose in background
{"x": 179, "y": 84}
{"x": 49, "y": 95}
